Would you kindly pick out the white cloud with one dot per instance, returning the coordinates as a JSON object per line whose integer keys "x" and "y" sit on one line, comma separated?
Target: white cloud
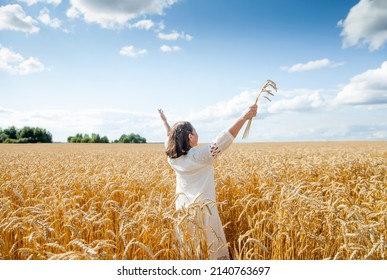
{"x": 169, "y": 37}
{"x": 311, "y": 65}
{"x": 188, "y": 37}
{"x": 369, "y": 87}
{"x": 143, "y": 24}
{"x": 132, "y": 52}
{"x": 15, "y": 64}
{"x": 112, "y": 122}
{"x": 30, "y": 65}
{"x": 296, "y": 100}
{"x": 33, "y": 2}
{"x": 166, "y": 48}
{"x": 307, "y": 100}
{"x": 365, "y": 24}
{"x": 160, "y": 26}
{"x": 115, "y": 13}
{"x": 380, "y": 135}
{"x": 283, "y": 125}
{"x": 174, "y": 35}
{"x": 45, "y": 18}
{"x": 13, "y": 17}
{"x": 225, "y": 109}
{"x": 5, "y": 110}
{"x": 7, "y": 57}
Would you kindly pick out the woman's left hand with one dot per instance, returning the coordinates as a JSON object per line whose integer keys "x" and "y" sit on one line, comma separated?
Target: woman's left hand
{"x": 161, "y": 113}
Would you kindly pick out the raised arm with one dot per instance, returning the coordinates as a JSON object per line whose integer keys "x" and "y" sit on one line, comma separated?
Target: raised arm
{"x": 167, "y": 128}
{"x": 207, "y": 154}
{"x": 249, "y": 113}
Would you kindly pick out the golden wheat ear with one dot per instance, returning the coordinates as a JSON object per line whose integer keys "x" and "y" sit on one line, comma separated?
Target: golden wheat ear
{"x": 265, "y": 90}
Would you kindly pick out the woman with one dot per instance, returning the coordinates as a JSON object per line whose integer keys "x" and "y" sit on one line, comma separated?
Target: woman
{"x": 194, "y": 171}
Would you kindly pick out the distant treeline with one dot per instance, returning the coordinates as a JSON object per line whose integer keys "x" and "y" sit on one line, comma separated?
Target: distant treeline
{"x": 96, "y": 138}
{"x": 39, "y": 135}
{"x": 130, "y": 138}
{"x": 25, "y": 135}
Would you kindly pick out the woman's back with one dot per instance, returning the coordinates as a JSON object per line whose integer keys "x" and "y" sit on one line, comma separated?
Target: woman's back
{"x": 195, "y": 172}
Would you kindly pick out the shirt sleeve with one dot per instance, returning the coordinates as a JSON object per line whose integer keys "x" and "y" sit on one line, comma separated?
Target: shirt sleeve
{"x": 221, "y": 143}
{"x": 208, "y": 153}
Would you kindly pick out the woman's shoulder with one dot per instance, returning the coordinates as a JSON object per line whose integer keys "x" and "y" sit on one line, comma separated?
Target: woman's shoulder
{"x": 199, "y": 149}
{"x": 200, "y": 154}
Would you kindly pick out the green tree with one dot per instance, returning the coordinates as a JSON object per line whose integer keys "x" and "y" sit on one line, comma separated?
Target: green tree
{"x": 25, "y": 132}
{"x": 104, "y": 139}
{"x": 11, "y": 132}
{"x": 3, "y": 136}
{"x": 25, "y": 135}
{"x": 41, "y": 135}
{"x": 95, "y": 138}
{"x": 131, "y": 138}
{"x": 80, "y": 138}
{"x": 86, "y": 139}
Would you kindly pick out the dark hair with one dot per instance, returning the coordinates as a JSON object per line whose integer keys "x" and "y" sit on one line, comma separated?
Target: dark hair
{"x": 178, "y": 139}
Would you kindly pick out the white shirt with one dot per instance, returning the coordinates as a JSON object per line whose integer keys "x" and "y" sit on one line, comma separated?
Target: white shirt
{"x": 195, "y": 172}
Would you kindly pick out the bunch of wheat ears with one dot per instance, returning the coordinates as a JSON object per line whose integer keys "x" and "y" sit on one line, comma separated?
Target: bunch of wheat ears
{"x": 264, "y": 90}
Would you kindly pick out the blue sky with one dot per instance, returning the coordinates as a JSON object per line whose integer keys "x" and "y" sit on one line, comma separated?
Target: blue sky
{"x": 106, "y": 66}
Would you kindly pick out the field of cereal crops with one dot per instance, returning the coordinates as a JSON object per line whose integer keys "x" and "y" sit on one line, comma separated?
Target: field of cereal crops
{"x": 113, "y": 201}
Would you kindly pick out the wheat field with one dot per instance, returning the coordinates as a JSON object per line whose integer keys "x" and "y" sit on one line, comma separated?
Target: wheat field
{"x": 277, "y": 201}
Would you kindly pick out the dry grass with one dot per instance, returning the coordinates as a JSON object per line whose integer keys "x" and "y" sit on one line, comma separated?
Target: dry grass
{"x": 277, "y": 201}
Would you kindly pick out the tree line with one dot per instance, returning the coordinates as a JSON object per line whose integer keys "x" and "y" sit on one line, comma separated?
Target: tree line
{"x": 96, "y": 138}
{"x": 25, "y": 135}
{"x": 39, "y": 135}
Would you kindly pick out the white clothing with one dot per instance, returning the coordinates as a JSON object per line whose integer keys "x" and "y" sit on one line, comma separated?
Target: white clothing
{"x": 195, "y": 184}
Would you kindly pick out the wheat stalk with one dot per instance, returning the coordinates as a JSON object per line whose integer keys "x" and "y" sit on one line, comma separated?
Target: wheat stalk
{"x": 264, "y": 89}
